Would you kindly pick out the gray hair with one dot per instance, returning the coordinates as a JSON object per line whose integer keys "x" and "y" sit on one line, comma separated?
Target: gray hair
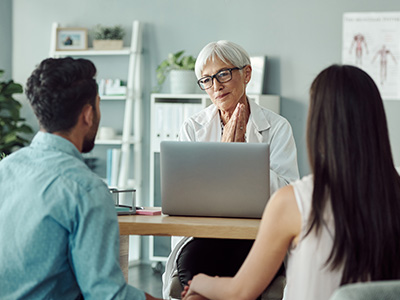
{"x": 226, "y": 51}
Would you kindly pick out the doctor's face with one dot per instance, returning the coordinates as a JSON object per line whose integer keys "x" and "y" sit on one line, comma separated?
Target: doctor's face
{"x": 227, "y": 95}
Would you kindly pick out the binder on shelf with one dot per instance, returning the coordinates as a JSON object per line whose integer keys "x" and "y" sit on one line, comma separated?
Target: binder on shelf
{"x": 159, "y": 118}
{"x": 109, "y": 166}
{"x": 176, "y": 120}
{"x": 168, "y": 124}
{"x": 113, "y": 164}
{"x": 189, "y": 109}
{"x": 168, "y": 121}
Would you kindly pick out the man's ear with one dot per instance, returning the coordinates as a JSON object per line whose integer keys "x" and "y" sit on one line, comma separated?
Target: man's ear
{"x": 87, "y": 115}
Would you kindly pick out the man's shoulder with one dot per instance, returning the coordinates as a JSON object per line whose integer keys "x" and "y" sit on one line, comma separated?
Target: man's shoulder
{"x": 54, "y": 166}
{"x": 74, "y": 180}
{"x": 75, "y": 170}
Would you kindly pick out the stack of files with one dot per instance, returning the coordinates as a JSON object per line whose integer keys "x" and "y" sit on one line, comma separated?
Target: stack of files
{"x": 189, "y": 109}
{"x": 169, "y": 118}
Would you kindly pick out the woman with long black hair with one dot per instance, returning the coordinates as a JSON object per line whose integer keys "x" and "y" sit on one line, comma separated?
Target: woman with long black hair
{"x": 339, "y": 225}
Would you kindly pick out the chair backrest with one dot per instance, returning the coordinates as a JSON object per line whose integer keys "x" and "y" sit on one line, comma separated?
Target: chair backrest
{"x": 377, "y": 290}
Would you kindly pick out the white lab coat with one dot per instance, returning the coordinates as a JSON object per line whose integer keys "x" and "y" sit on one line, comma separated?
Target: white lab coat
{"x": 264, "y": 126}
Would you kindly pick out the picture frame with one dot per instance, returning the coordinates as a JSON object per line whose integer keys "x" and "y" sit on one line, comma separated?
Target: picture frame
{"x": 72, "y": 39}
{"x": 256, "y": 84}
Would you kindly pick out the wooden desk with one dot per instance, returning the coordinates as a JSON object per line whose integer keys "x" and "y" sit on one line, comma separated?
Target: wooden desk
{"x": 202, "y": 227}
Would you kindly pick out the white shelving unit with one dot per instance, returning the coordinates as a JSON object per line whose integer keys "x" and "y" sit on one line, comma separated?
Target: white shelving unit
{"x": 132, "y": 111}
{"x": 130, "y": 141}
{"x": 167, "y": 113}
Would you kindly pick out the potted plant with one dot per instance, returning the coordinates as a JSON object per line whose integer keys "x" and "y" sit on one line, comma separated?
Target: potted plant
{"x": 108, "y": 38}
{"x": 181, "y": 71}
{"x": 11, "y": 123}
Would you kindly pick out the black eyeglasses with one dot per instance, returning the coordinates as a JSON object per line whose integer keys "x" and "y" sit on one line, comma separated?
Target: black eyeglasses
{"x": 222, "y": 76}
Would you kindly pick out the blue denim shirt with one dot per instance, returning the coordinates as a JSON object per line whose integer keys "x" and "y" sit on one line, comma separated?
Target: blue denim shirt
{"x": 59, "y": 234}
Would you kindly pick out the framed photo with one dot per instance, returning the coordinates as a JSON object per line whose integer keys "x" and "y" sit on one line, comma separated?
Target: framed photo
{"x": 256, "y": 84}
{"x": 71, "y": 39}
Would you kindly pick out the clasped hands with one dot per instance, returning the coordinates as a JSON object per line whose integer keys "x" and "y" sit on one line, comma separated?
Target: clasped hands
{"x": 235, "y": 128}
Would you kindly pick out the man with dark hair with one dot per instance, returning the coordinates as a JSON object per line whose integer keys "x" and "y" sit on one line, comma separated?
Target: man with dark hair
{"x": 59, "y": 236}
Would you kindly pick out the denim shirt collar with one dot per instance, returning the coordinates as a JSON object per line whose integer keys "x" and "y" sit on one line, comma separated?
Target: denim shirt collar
{"x": 54, "y": 142}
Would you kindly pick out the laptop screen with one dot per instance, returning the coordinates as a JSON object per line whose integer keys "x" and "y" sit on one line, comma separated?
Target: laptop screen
{"x": 214, "y": 179}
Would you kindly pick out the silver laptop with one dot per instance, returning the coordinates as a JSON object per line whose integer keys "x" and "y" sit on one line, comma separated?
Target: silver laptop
{"x": 214, "y": 179}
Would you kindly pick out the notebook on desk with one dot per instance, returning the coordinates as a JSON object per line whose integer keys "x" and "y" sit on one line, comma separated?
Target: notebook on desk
{"x": 214, "y": 179}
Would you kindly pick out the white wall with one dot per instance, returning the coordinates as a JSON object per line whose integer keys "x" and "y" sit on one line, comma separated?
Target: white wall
{"x": 299, "y": 37}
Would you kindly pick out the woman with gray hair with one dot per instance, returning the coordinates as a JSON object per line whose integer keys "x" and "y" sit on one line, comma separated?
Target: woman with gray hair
{"x": 223, "y": 70}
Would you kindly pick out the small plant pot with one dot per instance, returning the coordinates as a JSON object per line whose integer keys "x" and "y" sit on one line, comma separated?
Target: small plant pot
{"x": 183, "y": 82}
{"x": 107, "y": 44}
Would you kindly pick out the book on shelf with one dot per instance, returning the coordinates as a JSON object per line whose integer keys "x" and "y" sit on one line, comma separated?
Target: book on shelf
{"x": 113, "y": 164}
{"x": 114, "y": 87}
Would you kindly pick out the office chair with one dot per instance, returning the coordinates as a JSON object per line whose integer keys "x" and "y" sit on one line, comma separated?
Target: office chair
{"x": 377, "y": 290}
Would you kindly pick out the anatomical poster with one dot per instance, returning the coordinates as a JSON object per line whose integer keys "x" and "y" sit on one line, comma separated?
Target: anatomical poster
{"x": 371, "y": 41}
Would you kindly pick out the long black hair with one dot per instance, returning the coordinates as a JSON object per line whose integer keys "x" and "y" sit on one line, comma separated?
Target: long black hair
{"x": 352, "y": 164}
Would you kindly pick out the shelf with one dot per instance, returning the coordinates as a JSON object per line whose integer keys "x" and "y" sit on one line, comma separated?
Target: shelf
{"x": 111, "y": 97}
{"x": 116, "y": 141}
{"x": 92, "y": 52}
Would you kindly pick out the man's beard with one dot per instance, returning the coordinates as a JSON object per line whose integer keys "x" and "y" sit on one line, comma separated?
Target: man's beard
{"x": 88, "y": 144}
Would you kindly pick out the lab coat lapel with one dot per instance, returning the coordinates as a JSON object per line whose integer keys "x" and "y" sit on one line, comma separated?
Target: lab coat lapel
{"x": 259, "y": 123}
{"x": 211, "y": 128}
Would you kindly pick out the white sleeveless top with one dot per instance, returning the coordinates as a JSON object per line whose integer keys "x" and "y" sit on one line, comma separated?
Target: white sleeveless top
{"x": 306, "y": 274}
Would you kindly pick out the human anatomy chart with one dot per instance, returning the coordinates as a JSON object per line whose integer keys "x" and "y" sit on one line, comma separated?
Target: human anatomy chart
{"x": 371, "y": 41}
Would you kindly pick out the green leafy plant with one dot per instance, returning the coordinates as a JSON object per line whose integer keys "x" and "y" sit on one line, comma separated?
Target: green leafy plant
{"x": 11, "y": 123}
{"x": 175, "y": 61}
{"x": 108, "y": 33}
